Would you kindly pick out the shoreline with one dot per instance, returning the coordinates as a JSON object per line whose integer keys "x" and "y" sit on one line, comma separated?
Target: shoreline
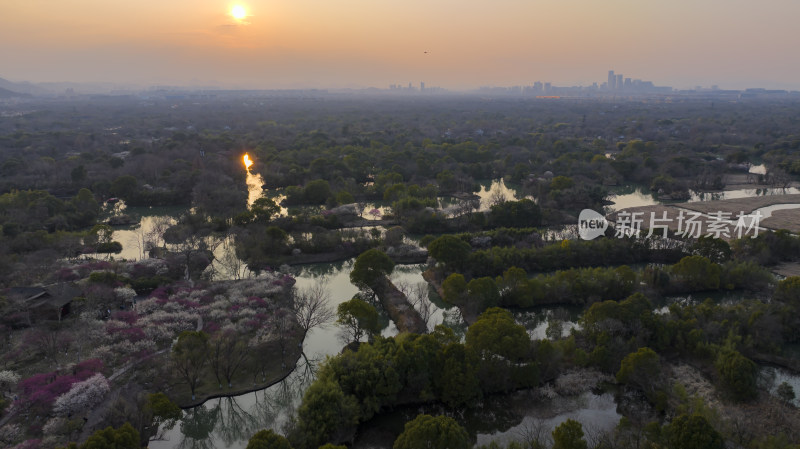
{"x": 238, "y": 392}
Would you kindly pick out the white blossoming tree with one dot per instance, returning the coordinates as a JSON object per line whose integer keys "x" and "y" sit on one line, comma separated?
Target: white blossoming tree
{"x": 82, "y": 396}
{"x": 8, "y": 379}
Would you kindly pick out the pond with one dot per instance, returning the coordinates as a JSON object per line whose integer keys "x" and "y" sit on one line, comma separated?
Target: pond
{"x": 775, "y": 376}
{"x": 596, "y": 412}
{"x": 501, "y": 418}
{"x": 490, "y": 192}
{"x": 538, "y": 319}
{"x": 132, "y": 236}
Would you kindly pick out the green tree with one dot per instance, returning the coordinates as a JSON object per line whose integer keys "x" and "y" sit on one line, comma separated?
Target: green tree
{"x": 788, "y": 291}
{"x": 641, "y": 369}
{"x": 716, "y": 250}
{"x": 85, "y": 203}
{"x": 561, "y": 183}
{"x": 116, "y": 162}
{"x": 190, "y": 356}
{"x": 264, "y": 209}
{"x": 78, "y": 174}
{"x": 358, "y": 317}
{"x": 456, "y": 378}
{"x": 738, "y": 373}
{"x": 317, "y": 191}
{"x": 692, "y": 432}
{"x": 569, "y": 435}
{"x": 698, "y": 273}
{"x": 454, "y": 289}
{"x": 483, "y": 293}
{"x": 325, "y": 414}
{"x": 124, "y": 437}
{"x": 163, "y": 409}
{"x": 515, "y": 214}
{"x": 369, "y": 266}
{"x": 344, "y": 197}
{"x": 496, "y": 333}
{"x": 267, "y": 439}
{"x": 426, "y": 431}
{"x": 450, "y": 250}
{"x": 124, "y": 187}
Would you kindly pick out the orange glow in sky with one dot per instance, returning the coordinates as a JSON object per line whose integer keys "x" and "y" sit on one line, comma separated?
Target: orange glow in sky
{"x": 363, "y": 43}
{"x": 238, "y": 12}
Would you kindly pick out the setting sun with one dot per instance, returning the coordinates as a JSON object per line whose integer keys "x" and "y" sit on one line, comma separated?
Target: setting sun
{"x": 238, "y": 12}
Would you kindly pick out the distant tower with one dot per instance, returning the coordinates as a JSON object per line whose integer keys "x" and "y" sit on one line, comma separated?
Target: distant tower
{"x": 628, "y": 83}
{"x": 618, "y": 84}
{"x": 612, "y": 80}
{"x": 422, "y": 86}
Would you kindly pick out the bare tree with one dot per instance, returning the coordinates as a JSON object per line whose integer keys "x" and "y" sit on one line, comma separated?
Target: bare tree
{"x": 283, "y": 328}
{"x": 158, "y": 226}
{"x": 139, "y": 241}
{"x": 230, "y": 265}
{"x": 466, "y": 207}
{"x": 227, "y": 354}
{"x": 52, "y": 343}
{"x": 597, "y": 437}
{"x": 497, "y": 197}
{"x": 535, "y": 434}
{"x": 312, "y": 307}
{"x": 417, "y": 295}
{"x": 779, "y": 178}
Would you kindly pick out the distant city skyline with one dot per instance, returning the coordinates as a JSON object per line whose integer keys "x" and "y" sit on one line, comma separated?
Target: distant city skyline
{"x": 735, "y": 44}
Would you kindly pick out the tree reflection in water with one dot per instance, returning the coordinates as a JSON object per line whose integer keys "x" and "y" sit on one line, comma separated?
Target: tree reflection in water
{"x": 234, "y": 422}
{"x": 321, "y": 270}
{"x": 197, "y": 427}
{"x": 225, "y": 421}
{"x": 275, "y": 406}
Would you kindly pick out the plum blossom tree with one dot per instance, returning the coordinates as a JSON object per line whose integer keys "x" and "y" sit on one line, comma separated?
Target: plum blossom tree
{"x": 190, "y": 357}
{"x": 82, "y": 395}
{"x": 38, "y": 392}
{"x": 228, "y": 353}
{"x": 8, "y": 379}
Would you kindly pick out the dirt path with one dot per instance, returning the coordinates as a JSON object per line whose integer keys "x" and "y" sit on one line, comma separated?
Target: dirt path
{"x": 404, "y": 315}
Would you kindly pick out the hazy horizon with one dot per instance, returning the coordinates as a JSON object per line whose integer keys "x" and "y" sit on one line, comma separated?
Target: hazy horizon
{"x": 355, "y": 43}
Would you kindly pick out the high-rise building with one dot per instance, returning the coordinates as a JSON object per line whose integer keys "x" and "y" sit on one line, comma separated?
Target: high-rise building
{"x": 627, "y": 83}
{"x": 612, "y": 80}
{"x": 618, "y": 83}
{"x": 422, "y": 86}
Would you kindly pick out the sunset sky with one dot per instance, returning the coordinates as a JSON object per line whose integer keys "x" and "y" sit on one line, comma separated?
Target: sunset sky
{"x": 362, "y": 43}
